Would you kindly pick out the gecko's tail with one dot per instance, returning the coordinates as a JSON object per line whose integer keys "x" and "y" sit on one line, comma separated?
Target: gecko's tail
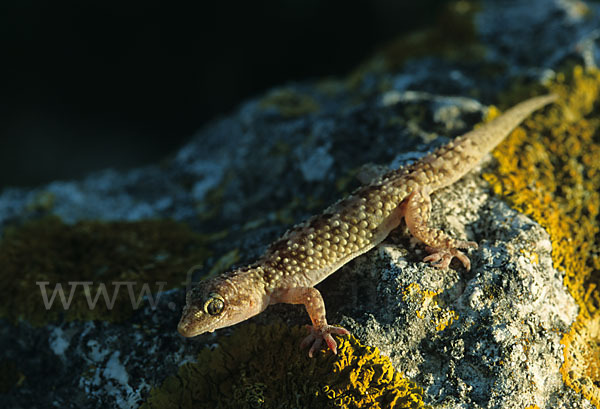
{"x": 489, "y": 135}
{"x": 463, "y": 153}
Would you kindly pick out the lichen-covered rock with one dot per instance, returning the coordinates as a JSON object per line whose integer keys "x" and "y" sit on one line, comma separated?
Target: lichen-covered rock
{"x": 562, "y": 154}
{"x": 520, "y": 330}
{"x": 484, "y": 338}
{"x": 239, "y": 373}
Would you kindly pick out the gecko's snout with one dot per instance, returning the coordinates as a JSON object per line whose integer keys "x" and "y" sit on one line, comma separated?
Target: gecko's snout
{"x": 188, "y": 329}
{"x": 186, "y": 325}
{"x": 183, "y": 327}
{"x": 193, "y": 322}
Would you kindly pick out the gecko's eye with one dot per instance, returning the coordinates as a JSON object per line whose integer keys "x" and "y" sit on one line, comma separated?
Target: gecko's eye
{"x": 214, "y": 305}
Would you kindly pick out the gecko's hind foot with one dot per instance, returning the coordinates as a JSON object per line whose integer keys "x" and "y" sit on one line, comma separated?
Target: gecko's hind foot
{"x": 317, "y": 335}
{"x": 441, "y": 257}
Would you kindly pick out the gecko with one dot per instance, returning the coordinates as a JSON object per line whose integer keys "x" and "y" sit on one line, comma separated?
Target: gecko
{"x": 311, "y": 251}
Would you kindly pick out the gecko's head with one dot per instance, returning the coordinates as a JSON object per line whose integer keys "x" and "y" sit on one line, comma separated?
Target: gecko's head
{"x": 219, "y": 303}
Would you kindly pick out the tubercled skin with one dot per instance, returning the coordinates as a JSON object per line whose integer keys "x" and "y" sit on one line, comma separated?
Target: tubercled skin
{"x": 311, "y": 251}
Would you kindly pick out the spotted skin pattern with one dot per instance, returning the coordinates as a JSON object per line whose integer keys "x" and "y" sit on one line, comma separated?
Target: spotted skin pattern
{"x": 311, "y": 251}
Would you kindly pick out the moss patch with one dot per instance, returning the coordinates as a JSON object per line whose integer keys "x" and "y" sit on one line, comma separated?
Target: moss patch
{"x": 262, "y": 367}
{"x": 50, "y": 251}
{"x": 549, "y": 169}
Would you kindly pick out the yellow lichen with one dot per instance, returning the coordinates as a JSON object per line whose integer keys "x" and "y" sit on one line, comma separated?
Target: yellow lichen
{"x": 262, "y": 367}
{"x": 426, "y": 305}
{"x": 549, "y": 169}
{"x": 50, "y": 251}
{"x": 532, "y": 256}
{"x": 581, "y": 353}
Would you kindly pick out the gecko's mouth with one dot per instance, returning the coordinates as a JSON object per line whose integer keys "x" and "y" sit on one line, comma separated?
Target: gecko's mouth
{"x": 188, "y": 330}
{"x": 184, "y": 329}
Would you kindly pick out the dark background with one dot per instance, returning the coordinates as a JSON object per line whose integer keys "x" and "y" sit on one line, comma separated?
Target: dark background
{"x": 92, "y": 84}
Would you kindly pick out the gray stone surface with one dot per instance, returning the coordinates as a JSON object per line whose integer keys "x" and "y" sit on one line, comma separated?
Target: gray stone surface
{"x": 257, "y": 171}
{"x": 503, "y": 350}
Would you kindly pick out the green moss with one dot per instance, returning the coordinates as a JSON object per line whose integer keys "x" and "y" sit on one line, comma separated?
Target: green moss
{"x": 289, "y": 103}
{"x": 10, "y": 376}
{"x": 262, "y": 367}
{"x": 549, "y": 169}
{"x": 48, "y": 250}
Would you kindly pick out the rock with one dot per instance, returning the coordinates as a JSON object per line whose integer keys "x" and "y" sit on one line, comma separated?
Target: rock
{"x": 487, "y": 338}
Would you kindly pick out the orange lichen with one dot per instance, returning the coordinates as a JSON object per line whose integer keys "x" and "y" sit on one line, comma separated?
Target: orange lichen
{"x": 549, "y": 169}
{"x": 259, "y": 367}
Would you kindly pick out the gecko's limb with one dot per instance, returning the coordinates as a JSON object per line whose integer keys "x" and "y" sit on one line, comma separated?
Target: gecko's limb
{"x": 417, "y": 209}
{"x": 319, "y": 331}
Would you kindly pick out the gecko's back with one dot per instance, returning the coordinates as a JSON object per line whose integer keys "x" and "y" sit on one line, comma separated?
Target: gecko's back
{"x": 311, "y": 251}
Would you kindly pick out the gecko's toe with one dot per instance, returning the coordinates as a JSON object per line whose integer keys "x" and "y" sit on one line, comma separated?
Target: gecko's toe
{"x": 463, "y": 259}
{"x": 438, "y": 260}
{"x": 309, "y": 339}
{"x": 434, "y": 256}
{"x": 441, "y": 258}
{"x": 315, "y": 347}
{"x": 331, "y": 344}
{"x": 317, "y": 336}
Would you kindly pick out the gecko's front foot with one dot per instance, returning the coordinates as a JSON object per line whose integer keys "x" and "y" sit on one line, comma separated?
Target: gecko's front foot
{"x": 441, "y": 257}
{"x": 317, "y": 335}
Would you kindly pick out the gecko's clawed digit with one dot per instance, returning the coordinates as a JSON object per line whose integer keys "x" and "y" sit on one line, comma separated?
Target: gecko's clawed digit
{"x": 317, "y": 335}
{"x": 441, "y": 257}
